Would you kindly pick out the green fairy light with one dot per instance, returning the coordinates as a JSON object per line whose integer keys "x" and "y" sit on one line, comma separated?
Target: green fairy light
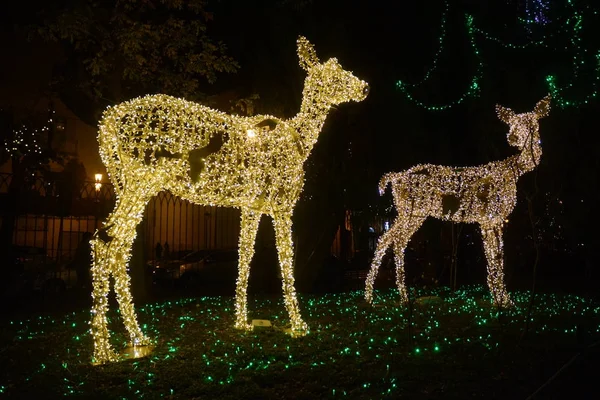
{"x": 545, "y": 42}
{"x": 534, "y": 43}
{"x": 346, "y": 337}
{"x": 473, "y": 88}
{"x": 570, "y": 28}
{"x": 436, "y": 57}
{"x": 557, "y": 92}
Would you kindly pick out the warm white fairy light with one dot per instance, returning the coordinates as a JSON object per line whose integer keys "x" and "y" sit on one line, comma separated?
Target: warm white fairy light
{"x": 485, "y": 195}
{"x": 25, "y": 140}
{"x": 159, "y": 142}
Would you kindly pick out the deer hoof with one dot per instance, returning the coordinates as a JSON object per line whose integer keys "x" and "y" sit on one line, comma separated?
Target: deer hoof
{"x": 243, "y": 326}
{"x": 299, "y": 330}
{"x": 505, "y": 303}
{"x": 107, "y": 356}
{"x": 141, "y": 341}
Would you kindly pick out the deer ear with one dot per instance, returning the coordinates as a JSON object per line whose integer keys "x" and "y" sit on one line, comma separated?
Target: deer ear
{"x": 505, "y": 114}
{"x": 306, "y": 53}
{"x": 542, "y": 108}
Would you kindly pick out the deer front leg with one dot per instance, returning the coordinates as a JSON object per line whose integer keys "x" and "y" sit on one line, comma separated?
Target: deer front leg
{"x": 494, "y": 252}
{"x": 125, "y": 234}
{"x": 249, "y": 227}
{"x": 398, "y": 236}
{"x": 406, "y": 230}
{"x": 99, "y": 325}
{"x": 399, "y": 248}
{"x": 283, "y": 238}
{"x": 384, "y": 242}
{"x": 112, "y": 250}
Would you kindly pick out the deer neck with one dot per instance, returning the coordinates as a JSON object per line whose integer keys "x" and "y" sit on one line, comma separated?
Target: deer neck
{"x": 309, "y": 121}
{"x": 529, "y": 157}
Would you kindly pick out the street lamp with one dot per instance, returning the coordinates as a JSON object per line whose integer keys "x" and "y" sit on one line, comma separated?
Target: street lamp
{"x": 98, "y": 183}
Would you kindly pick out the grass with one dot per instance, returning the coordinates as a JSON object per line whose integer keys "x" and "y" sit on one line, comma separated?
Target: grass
{"x": 455, "y": 346}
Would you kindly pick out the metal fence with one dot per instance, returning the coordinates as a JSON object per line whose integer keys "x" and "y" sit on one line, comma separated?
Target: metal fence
{"x": 181, "y": 227}
{"x": 50, "y": 219}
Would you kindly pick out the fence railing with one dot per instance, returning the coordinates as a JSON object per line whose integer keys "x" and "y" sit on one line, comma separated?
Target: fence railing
{"x": 51, "y": 217}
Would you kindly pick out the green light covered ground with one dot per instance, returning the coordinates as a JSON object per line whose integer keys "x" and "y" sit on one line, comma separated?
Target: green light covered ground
{"x": 457, "y": 346}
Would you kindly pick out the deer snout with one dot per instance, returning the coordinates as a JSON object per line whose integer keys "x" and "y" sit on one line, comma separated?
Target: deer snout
{"x": 361, "y": 91}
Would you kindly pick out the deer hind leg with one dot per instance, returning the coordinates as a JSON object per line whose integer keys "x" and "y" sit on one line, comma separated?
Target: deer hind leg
{"x": 493, "y": 247}
{"x": 99, "y": 325}
{"x": 111, "y": 252}
{"x": 249, "y": 227}
{"x": 384, "y": 242}
{"x": 283, "y": 239}
{"x": 407, "y": 230}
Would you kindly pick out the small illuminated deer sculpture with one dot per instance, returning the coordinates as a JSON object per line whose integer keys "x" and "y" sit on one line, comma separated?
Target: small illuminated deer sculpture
{"x": 485, "y": 195}
{"x": 205, "y": 156}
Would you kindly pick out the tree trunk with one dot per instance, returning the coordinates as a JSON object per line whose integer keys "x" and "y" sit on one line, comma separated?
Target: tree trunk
{"x": 315, "y": 236}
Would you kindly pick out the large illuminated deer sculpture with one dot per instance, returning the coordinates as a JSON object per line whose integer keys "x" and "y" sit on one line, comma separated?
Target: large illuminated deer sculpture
{"x": 485, "y": 195}
{"x": 208, "y": 157}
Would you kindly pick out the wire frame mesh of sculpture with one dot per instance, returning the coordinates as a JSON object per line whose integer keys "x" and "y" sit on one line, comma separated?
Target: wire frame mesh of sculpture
{"x": 485, "y": 195}
{"x": 205, "y": 156}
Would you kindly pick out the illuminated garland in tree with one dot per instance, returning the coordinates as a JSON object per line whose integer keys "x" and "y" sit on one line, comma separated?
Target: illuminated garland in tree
{"x": 474, "y": 84}
{"x": 25, "y": 141}
{"x": 208, "y": 157}
{"x": 485, "y": 195}
{"x": 536, "y": 12}
{"x": 434, "y": 64}
{"x": 539, "y": 10}
{"x": 571, "y": 27}
{"x": 565, "y": 28}
{"x": 556, "y": 92}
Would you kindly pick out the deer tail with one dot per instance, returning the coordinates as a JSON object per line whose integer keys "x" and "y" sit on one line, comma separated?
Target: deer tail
{"x": 110, "y": 148}
{"x": 385, "y": 180}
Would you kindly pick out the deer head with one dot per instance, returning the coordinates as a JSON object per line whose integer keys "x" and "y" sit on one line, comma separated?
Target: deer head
{"x": 524, "y": 128}
{"x": 333, "y": 84}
